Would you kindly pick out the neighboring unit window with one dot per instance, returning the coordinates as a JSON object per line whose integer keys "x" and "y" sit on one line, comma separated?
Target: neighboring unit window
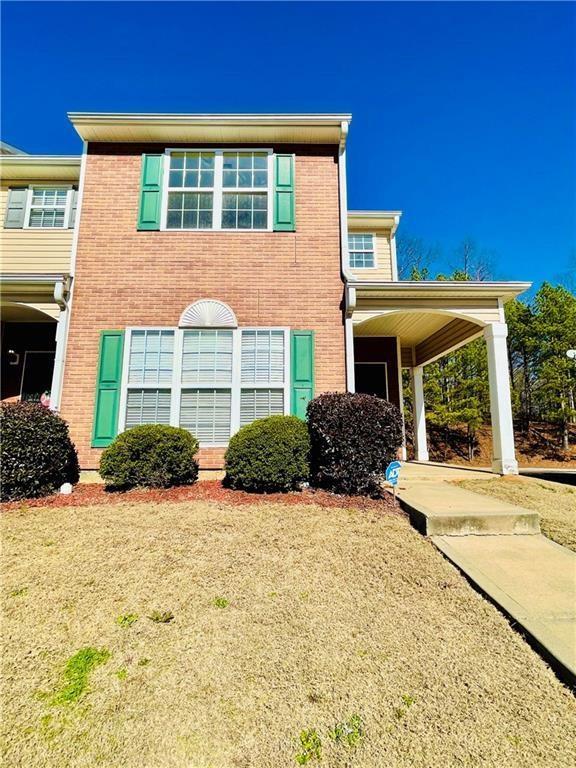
{"x": 263, "y": 369}
{"x": 188, "y": 377}
{"x": 48, "y": 207}
{"x": 361, "y": 251}
{"x": 218, "y": 190}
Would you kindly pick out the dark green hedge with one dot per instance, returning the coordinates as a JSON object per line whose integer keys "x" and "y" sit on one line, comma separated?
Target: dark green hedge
{"x": 353, "y": 438}
{"x": 269, "y": 455}
{"x": 152, "y": 455}
{"x": 36, "y": 453}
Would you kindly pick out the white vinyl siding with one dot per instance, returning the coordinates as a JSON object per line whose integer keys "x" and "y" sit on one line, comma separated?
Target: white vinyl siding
{"x": 208, "y": 381}
{"x": 217, "y": 189}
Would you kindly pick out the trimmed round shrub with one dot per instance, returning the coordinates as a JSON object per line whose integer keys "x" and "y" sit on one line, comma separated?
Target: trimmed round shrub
{"x": 353, "y": 438}
{"x": 36, "y": 453}
{"x": 269, "y": 455}
{"x": 152, "y": 455}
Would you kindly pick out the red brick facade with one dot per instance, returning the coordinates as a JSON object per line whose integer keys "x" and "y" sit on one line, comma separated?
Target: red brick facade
{"x": 125, "y": 277}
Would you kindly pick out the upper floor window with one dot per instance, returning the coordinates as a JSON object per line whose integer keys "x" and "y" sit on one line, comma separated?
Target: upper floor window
{"x": 48, "y": 207}
{"x": 361, "y": 251}
{"x": 218, "y": 189}
{"x": 41, "y": 207}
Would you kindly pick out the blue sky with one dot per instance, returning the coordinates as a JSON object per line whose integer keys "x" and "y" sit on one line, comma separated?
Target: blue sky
{"x": 464, "y": 113}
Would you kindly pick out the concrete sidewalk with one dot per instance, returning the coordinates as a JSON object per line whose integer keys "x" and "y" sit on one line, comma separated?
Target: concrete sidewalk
{"x": 500, "y": 549}
{"x": 532, "y": 579}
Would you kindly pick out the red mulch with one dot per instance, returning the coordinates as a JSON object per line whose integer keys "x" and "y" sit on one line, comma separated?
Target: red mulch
{"x": 90, "y": 494}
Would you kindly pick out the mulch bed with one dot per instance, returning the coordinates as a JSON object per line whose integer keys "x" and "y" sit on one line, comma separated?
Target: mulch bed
{"x": 92, "y": 494}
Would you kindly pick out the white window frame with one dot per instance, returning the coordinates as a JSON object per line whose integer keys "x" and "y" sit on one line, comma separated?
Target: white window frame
{"x": 67, "y": 207}
{"x": 363, "y": 234}
{"x": 218, "y": 190}
{"x": 176, "y": 386}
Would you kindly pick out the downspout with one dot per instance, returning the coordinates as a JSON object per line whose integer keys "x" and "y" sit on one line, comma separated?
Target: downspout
{"x": 60, "y": 293}
{"x": 64, "y": 319}
{"x": 344, "y": 259}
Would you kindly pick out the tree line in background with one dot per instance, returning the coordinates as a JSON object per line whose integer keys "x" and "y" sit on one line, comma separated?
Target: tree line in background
{"x": 541, "y": 330}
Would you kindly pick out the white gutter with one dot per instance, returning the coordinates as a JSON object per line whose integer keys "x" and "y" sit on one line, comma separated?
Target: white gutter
{"x": 32, "y": 277}
{"x": 448, "y": 286}
{"x": 344, "y": 257}
{"x": 314, "y": 118}
{"x": 62, "y": 331}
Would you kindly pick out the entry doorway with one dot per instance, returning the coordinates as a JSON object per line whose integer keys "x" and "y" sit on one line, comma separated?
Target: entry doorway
{"x": 36, "y": 374}
{"x": 372, "y": 379}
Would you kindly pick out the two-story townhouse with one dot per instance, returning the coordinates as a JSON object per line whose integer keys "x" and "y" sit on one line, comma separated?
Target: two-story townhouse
{"x": 37, "y": 210}
{"x": 217, "y": 276}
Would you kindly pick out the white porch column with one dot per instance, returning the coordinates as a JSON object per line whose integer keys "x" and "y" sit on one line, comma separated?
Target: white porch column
{"x": 503, "y": 456}
{"x": 58, "y": 373}
{"x": 420, "y": 442}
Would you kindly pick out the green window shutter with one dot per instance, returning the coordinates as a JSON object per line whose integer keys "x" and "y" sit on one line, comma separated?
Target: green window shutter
{"x": 16, "y": 208}
{"x": 284, "y": 203}
{"x": 302, "y": 373}
{"x": 150, "y": 192}
{"x": 73, "y": 207}
{"x": 108, "y": 388}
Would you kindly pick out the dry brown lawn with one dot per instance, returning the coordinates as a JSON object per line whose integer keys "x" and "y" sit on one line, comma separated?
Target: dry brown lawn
{"x": 555, "y": 503}
{"x": 326, "y": 614}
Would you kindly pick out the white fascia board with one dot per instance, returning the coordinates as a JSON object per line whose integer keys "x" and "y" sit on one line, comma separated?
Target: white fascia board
{"x": 495, "y": 289}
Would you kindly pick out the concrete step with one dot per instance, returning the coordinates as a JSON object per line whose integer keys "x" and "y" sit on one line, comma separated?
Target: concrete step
{"x": 442, "y": 509}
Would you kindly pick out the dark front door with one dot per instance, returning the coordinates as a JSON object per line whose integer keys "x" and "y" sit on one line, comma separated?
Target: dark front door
{"x": 372, "y": 379}
{"x": 37, "y": 374}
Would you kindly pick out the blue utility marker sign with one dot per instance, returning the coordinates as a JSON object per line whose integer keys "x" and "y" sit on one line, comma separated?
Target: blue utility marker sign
{"x": 392, "y": 472}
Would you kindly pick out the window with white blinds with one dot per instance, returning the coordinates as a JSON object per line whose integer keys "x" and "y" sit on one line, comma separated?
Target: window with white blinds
{"x": 263, "y": 367}
{"x": 259, "y": 403}
{"x": 207, "y": 414}
{"x": 147, "y": 406}
{"x": 206, "y": 380}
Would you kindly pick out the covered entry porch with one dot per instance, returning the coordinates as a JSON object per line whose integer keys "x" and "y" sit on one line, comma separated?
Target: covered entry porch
{"x": 33, "y": 311}
{"x": 412, "y": 324}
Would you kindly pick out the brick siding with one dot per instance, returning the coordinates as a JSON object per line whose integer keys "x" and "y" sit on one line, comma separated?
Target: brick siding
{"x": 125, "y": 277}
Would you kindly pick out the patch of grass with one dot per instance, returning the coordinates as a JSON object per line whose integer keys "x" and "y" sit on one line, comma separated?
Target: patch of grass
{"x": 235, "y": 687}
{"x": 122, "y": 673}
{"x": 161, "y": 617}
{"x": 143, "y": 662}
{"x": 221, "y": 602}
{"x": 76, "y": 674}
{"x": 310, "y": 747}
{"x": 554, "y": 502}
{"x": 18, "y": 592}
{"x": 126, "y": 620}
{"x": 349, "y": 732}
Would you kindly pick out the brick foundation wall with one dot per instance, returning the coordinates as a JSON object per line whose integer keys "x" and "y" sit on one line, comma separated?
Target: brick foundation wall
{"x": 124, "y": 277}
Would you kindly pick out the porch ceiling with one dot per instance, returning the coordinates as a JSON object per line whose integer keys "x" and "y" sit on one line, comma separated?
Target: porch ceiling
{"x": 424, "y": 337}
{"x": 411, "y": 327}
